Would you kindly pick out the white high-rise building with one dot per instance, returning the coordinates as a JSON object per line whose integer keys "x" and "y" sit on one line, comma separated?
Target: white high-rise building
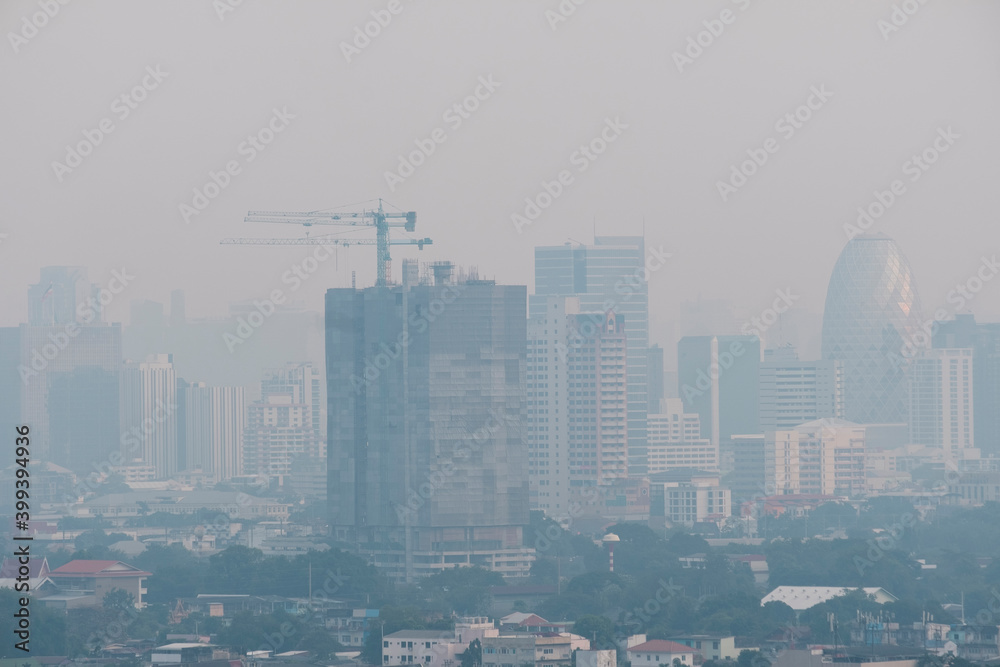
{"x": 674, "y": 440}
{"x": 214, "y": 422}
{"x": 149, "y": 413}
{"x": 577, "y": 403}
{"x": 794, "y": 392}
{"x": 285, "y": 425}
{"x": 941, "y": 397}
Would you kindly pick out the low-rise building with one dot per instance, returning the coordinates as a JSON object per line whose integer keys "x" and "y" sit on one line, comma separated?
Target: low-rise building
{"x": 711, "y": 647}
{"x": 660, "y": 652}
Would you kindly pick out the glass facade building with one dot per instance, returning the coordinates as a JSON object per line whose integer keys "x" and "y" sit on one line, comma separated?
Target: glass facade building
{"x": 872, "y": 313}
{"x": 606, "y": 276}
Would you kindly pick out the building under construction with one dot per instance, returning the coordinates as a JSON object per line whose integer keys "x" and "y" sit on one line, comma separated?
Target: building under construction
{"x": 427, "y": 456}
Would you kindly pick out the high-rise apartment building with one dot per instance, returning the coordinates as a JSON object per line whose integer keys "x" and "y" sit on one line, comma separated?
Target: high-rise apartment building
{"x": 577, "y": 423}
{"x": 285, "y": 424}
{"x": 609, "y": 275}
{"x": 427, "y": 456}
{"x": 871, "y": 323}
{"x": 984, "y": 340}
{"x": 214, "y": 419}
{"x": 718, "y": 379}
{"x": 941, "y": 400}
{"x": 149, "y": 413}
{"x": 794, "y": 392}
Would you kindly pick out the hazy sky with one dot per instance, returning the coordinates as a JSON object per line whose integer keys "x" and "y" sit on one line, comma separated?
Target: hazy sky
{"x": 886, "y": 95}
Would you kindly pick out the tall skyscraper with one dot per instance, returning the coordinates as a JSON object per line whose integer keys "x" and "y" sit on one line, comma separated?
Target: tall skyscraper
{"x": 149, "y": 413}
{"x": 794, "y": 392}
{"x": 70, "y": 396}
{"x": 718, "y": 380}
{"x": 607, "y": 276}
{"x": 984, "y": 340}
{"x": 214, "y": 419}
{"x": 577, "y": 424}
{"x": 427, "y": 457}
{"x": 941, "y": 400}
{"x": 872, "y": 312}
{"x": 59, "y": 296}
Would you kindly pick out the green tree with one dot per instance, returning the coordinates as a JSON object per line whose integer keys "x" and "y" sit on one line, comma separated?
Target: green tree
{"x": 118, "y": 600}
{"x": 473, "y": 655}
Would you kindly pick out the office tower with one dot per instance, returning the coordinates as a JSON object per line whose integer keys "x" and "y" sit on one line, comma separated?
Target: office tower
{"x": 427, "y": 457}
{"x": 718, "y": 380}
{"x": 655, "y": 373}
{"x": 69, "y": 392}
{"x": 941, "y": 400}
{"x": 577, "y": 424}
{"x": 214, "y": 419}
{"x": 284, "y": 425}
{"x": 832, "y": 457}
{"x": 675, "y": 440}
{"x": 61, "y": 296}
{"x": 149, "y": 413}
{"x": 872, "y": 314}
{"x": 793, "y": 392}
{"x": 608, "y": 275}
{"x": 984, "y": 340}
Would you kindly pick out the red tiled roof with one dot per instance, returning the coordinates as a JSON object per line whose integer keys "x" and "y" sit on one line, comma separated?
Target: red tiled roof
{"x": 661, "y": 646}
{"x": 97, "y": 568}
{"x": 534, "y": 620}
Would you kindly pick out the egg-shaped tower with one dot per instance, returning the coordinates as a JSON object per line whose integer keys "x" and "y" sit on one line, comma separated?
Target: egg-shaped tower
{"x": 872, "y": 311}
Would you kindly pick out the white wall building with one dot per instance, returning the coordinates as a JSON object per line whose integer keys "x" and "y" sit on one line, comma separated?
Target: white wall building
{"x": 674, "y": 440}
{"x": 941, "y": 400}
{"x": 148, "y": 413}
